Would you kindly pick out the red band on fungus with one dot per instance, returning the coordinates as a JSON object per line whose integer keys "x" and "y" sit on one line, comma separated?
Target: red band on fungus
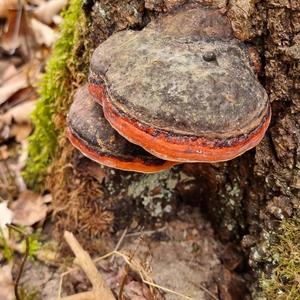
{"x": 97, "y": 91}
{"x": 136, "y": 165}
{"x": 181, "y": 148}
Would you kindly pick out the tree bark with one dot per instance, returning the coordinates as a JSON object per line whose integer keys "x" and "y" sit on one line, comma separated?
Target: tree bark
{"x": 244, "y": 197}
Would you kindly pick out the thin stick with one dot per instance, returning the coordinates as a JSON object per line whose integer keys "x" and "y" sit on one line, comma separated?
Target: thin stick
{"x": 150, "y": 283}
{"x": 119, "y": 243}
{"x": 83, "y": 259}
{"x": 149, "y": 232}
{"x": 26, "y": 254}
{"x": 123, "y": 282}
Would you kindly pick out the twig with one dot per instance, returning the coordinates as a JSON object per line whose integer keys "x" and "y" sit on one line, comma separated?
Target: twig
{"x": 83, "y": 259}
{"x": 130, "y": 258}
{"x": 26, "y": 254}
{"x": 119, "y": 243}
{"x": 140, "y": 272}
{"x": 123, "y": 282}
{"x": 135, "y": 267}
{"x": 148, "y": 232}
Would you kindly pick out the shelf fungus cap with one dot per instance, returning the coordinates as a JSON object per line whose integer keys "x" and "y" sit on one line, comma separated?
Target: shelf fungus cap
{"x": 183, "y": 88}
{"x": 91, "y": 133}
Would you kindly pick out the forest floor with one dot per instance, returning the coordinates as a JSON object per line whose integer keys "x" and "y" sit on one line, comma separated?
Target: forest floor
{"x": 182, "y": 255}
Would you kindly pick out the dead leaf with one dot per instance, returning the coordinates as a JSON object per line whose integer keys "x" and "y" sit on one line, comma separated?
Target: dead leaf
{"x": 19, "y": 113}
{"x": 6, "y": 283}
{"x": 17, "y": 33}
{"x": 36, "y": 2}
{"x": 16, "y": 167}
{"x": 6, "y": 5}
{"x": 48, "y": 10}
{"x": 12, "y": 85}
{"x": 23, "y": 156}
{"x": 58, "y": 19}
{"x": 44, "y": 35}
{"x": 29, "y": 209}
{"x": 134, "y": 290}
{"x": 4, "y": 64}
{"x": 5, "y": 218}
{"x": 4, "y": 132}
{"x": 22, "y": 79}
{"x": 4, "y": 153}
{"x": 26, "y": 94}
{"x": 20, "y": 131}
{"x": 47, "y": 198}
{"x": 12, "y": 38}
{"x": 9, "y": 71}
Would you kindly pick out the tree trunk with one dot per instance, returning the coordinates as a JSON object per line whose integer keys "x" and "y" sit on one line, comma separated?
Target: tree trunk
{"x": 242, "y": 198}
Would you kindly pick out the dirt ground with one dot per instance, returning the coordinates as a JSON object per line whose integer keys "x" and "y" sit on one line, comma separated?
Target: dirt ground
{"x": 182, "y": 255}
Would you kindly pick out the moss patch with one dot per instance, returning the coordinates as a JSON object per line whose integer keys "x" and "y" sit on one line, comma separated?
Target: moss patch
{"x": 284, "y": 282}
{"x": 63, "y": 72}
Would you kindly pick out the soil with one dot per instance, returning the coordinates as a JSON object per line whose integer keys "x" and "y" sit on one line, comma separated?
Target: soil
{"x": 183, "y": 255}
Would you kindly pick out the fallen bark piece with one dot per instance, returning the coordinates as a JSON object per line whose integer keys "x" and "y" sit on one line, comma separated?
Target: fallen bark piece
{"x": 29, "y": 209}
{"x": 48, "y": 10}
{"x": 83, "y": 259}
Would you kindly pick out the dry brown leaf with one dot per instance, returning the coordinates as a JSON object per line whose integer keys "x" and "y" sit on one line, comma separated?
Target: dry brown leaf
{"x": 8, "y": 72}
{"x": 48, "y": 10}
{"x": 19, "y": 113}
{"x": 36, "y": 2}
{"x": 23, "y": 157}
{"x": 18, "y": 34}
{"x": 17, "y": 166}
{"x": 12, "y": 85}
{"x": 5, "y": 218}
{"x": 23, "y": 79}
{"x": 6, "y": 283}
{"x": 44, "y": 35}
{"x": 20, "y": 131}
{"x": 58, "y": 19}
{"x": 13, "y": 38}
{"x": 4, "y": 131}
{"x": 29, "y": 209}
{"x": 4, "y": 153}
{"x": 4, "y": 63}
{"x": 26, "y": 94}
{"x": 134, "y": 290}
{"x": 6, "y": 5}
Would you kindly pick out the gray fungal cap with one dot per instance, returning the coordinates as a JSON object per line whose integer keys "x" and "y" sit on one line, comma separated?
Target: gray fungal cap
{"x": 185, "y": 74}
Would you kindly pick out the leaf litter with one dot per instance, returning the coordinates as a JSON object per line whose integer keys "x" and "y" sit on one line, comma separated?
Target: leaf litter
{"x": 26, "y": 37}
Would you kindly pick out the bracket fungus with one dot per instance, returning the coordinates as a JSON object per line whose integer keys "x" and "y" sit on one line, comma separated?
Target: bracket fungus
{"x": 183, "y": 88}
{"x": 91, "y": 133}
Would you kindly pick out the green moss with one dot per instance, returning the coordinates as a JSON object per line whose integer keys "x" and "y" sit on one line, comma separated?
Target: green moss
{"x": 62, "y": 72}
{"x": 29, "y": 293}
{"x": 284, "y": 281}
